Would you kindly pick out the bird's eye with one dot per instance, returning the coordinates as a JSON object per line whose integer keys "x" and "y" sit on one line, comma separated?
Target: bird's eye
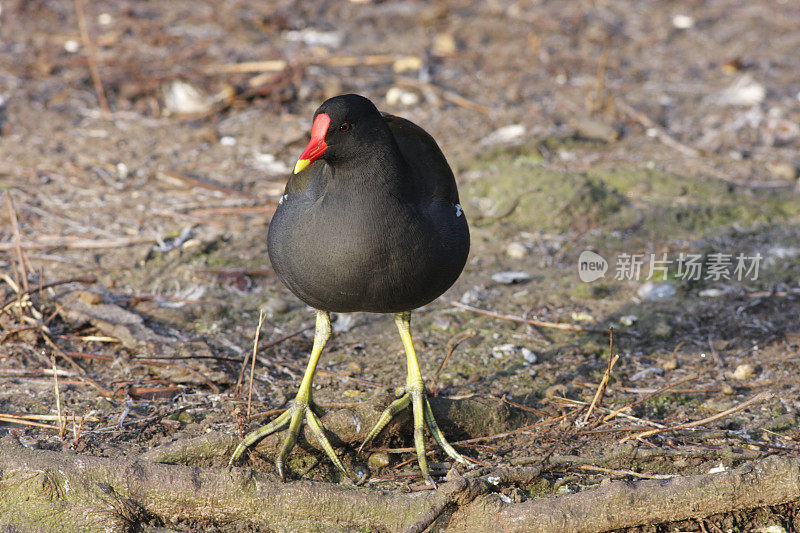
{"x": 344, "y": 126}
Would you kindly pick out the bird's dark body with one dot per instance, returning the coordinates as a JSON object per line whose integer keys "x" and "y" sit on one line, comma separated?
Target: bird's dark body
{"x": 383, "y": 233}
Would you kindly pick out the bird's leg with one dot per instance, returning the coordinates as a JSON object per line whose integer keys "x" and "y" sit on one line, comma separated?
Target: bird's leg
{"x": 414, "y": 393}
{"x": 303, "y": 407}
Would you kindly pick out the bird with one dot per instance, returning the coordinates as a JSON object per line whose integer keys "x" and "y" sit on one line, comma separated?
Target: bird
{"x": 370, "y": 220}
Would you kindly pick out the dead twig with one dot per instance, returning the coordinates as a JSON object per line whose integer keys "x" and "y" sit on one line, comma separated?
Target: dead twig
{"x": 452, "y": 344}
{"x": 56, "y": 241}
{"x": 17, "y": 245}
{"x": 601, "y": 389}
{"x": 91, "y": 58}
{"x": 62, "y": 420}
{"x": 540, "y": 323}
{"x": 612, "y": 471}
{"x": 451, "y": 96}
{"x": 760, "y": 397}
{"x": 661, "y": 134}
{"x": 253, "y": 365}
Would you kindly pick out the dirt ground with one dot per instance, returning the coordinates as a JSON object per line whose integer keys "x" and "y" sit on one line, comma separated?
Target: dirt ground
{"x": 666, "y": 130}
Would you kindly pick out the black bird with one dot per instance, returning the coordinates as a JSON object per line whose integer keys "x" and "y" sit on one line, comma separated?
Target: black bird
{"x": 369, "y": 221}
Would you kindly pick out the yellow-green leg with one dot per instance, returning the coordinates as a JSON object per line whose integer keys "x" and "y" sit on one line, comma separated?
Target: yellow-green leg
{"x": 414, "y": 393}
{"x": 302, "y": 408}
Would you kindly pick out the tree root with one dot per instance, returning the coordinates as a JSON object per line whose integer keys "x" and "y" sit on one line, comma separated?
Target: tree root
{"x": 60, "y": 491}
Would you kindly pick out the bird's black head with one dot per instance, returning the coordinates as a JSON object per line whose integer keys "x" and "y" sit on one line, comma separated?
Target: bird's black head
{"x": 346, "y": 128}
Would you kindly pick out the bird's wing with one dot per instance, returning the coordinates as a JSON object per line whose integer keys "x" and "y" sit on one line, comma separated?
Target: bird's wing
{"x": 424, "y": 157}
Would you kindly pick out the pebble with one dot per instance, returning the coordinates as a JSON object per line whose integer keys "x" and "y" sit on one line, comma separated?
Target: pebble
{"x": 270, "y": 164}
{"x": 628, "y": 320}
{"x": 656, "y": 290}
{"x": 646, "y": 372}
{"x": 503, "y": 350}
{"x": 354, "y": 368}
{"x": 711, "y": 293}
{"x": 516, "y": 250}
{"x": 185, "y": 99}
{"x": 407, "y": 63}
{"x": 743, "y": 92}
{"x": 589, "y": 128}
{"x": 670, "y": 364}
{"x": 662, "y": 330}
{"x": 744, "y": 371}
{"x": 344, "y": 322}
{"x": 509, "y": 277}
{"x": 552, "y": 391}
{"x": 529, "y": 356}
{"x": 444, "y": 45}
{"x": 396, "y": 95}
{"x": 71, "y": 46}
{"x": 782, "y": 171}
{"x": 378, "y": 460}
{"x": 683, "y": 22}
{"x": 276, "y": 306}
{"x": 504, "y": 135}
{"x": 727, "y": 389}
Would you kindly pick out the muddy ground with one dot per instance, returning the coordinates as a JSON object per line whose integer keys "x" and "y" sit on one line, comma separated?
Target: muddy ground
{"x": 668, "y": 130}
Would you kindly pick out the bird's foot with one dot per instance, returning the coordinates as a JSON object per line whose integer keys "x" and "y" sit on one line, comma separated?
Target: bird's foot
{"x": 300, "y": 410}
{"x": 415, "y": 395}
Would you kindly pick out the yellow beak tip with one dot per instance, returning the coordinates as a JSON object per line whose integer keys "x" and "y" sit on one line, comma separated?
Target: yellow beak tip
{"x": 301, "y": 164}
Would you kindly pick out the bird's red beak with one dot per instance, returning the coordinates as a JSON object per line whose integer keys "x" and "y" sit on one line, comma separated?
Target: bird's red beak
{"x": 316, "y": 146}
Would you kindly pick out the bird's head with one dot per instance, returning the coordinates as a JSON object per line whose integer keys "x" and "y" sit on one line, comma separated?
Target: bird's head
{"x": 344, "y": 128}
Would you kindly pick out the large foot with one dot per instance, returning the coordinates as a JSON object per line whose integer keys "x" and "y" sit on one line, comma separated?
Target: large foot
{"x": 414, "y": 393}
{"x": 303, "y": 408}
{"x": 293, "y": 417}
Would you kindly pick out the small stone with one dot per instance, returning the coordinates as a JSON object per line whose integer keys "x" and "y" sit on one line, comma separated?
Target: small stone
{"x": 276, "y": 306}
{"x": 396, "y": 95}
{"x": 406, "y": 64}
{"x": 744, "y": 371}
{"x": 516, "y": 250}
{"x": 104, "y": 19}
{"x": 227, "y": 140}
{"x": 354, "y": 368}
{"x": 184, "y": 99}
{"x": 509, "y": 277}
{"x": 782, "y": 171}
{"x": 528, "y": 356}
{"x": 444, "y": 45}
{"x": 559, "y": 390}
{"x": 170, "y": 424}
{"x": 683, "y": 22}
{"x": 653, "y": 370}
{"x": 503, "y": 350}
{"x": 71, "y": 46}
{"x": 628, "y": 320}
{"x": 352, "y": 393}
{"x": 186, "y": 417}
{"x": 378, "y": 460}
{"x": 670, "y": 364}
{"x": 91, "y": 298}
{"x": 662, "y": 330}
{"x": 582, "y": 317}
{"x": 743, "y": 92}
{"x": 656, "y": 290}
{"x": 344, "y": 322}
{"x": 589, "y": 128}
{"x": 712, "y": 293}
{"x": 727, "y": 389}
{"x": 505, "y": 135}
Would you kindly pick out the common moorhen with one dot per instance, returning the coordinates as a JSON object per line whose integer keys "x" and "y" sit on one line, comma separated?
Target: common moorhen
{"x": 369, "y": 221}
